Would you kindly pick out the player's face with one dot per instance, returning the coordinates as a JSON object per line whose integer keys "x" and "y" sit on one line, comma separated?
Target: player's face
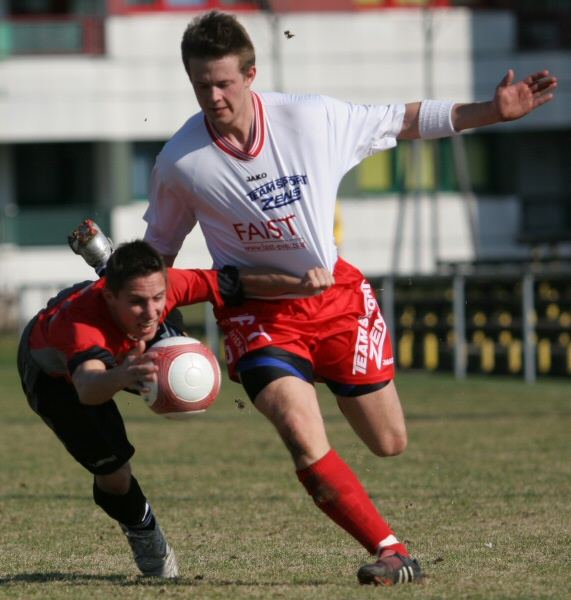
{"x": 138, "y": 307}
{"x": 222, "y": 91}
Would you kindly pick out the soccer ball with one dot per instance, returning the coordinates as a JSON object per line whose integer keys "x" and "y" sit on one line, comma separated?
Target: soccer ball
{"x": 188, "y": 380}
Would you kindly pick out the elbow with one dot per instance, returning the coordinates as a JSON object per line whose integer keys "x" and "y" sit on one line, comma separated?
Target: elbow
{"x": 83, "y": 396}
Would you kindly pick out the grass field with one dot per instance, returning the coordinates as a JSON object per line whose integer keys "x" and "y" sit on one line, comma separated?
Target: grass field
{"x": 482, "y": 496}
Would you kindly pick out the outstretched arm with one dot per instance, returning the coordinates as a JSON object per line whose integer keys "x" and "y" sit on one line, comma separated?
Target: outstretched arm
{"x": 511, "y": 101}
{"x": 95, "y": 384}
{"x": 263, "y": 282}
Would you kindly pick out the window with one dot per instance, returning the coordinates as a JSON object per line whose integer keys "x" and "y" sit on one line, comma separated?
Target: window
{"x": 54, "y": 187}
{"x": 120, "y": 6}
{"x": 541, "y": 25}
{"x": 49, "y": 175}
{"x": 428, "y": 166}
{"x": 192, "y": 3}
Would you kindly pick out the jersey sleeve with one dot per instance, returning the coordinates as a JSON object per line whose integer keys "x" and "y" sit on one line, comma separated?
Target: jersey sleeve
{"x": 92, "y": 353}
{"x": 169, "y": 215}
{"x": 362, "y": 130}
{"x": 189, "y": 286}
{"x": 83, "y": 342}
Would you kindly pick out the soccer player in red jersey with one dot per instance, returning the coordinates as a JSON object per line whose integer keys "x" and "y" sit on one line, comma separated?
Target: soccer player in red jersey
{"x": 259, "y": 172}
{"x": 89, "y": 343}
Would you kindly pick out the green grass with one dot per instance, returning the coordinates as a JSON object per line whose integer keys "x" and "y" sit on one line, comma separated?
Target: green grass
{"x": 482, "y": 497}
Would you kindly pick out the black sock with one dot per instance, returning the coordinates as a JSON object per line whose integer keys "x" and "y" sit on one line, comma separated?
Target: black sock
{"x": 130, "y": 509}
{"x": 148, "y": 521}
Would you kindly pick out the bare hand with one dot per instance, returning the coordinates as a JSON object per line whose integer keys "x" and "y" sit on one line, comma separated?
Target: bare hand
{"x": 515, "y": 100}
{"x": 316, "y": 280}
{"x": 140, "y": 368}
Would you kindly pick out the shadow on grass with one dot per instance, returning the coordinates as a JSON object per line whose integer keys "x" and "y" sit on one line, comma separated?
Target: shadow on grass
{"x": 77, "y": 578}
{"x": 139, "y": 580}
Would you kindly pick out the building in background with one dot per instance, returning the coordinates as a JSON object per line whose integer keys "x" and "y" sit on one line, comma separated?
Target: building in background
{"x": 91, "y": 89}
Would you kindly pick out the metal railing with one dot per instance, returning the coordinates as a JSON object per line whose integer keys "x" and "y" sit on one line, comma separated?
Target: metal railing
{"x": 491, "y": 323}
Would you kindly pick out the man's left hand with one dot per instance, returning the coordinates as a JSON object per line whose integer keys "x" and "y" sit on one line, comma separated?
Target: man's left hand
{"x": 515, "y": 100}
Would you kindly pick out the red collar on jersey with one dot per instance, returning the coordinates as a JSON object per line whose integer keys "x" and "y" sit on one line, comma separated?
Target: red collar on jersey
{"x": 257, "y": 134}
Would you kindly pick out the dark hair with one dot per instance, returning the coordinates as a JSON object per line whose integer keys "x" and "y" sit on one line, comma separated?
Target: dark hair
{"x": 215, "y": 35}
{"x": 133, "y": 259}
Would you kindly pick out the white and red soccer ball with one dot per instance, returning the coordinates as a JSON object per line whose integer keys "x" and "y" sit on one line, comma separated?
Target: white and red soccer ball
{"x": 188, "y": 380}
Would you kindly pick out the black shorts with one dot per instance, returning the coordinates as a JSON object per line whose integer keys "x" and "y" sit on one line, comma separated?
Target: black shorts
{"x": 94, "y": 435}
{"x": 260, "y": 367}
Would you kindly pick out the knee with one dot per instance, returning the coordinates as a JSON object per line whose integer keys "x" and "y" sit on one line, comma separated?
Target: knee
{"x": 389, "y": 446}
{"x": 305, "y": 444}
{"x": 303, "y": 448}
{"x": 291, "y": 405}
{"x": 117, "y": 482}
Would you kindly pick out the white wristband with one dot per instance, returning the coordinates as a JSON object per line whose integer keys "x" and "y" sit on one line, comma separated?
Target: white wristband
{"x": 435, "y": 119}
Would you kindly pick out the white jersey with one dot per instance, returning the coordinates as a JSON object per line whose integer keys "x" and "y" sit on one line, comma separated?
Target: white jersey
{"x": 273, "y": 206}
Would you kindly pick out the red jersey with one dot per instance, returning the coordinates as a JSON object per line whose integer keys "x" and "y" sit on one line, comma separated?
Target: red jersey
{"x": 77, "y": 325}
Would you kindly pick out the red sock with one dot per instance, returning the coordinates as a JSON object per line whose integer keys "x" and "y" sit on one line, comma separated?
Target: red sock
{"x": 339, "y": 494}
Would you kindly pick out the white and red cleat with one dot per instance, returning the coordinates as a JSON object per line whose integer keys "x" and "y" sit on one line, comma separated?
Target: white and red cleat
{"x": 91, "y": 243}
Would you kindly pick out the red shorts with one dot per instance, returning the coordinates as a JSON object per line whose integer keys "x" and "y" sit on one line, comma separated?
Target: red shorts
{"x": 341, "y": 331}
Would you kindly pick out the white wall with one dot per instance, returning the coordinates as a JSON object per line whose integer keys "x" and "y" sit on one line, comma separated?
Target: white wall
{"x": 369, "y": 236}
{"x": 139, "y": 90}
{"x": 369, "y": 227}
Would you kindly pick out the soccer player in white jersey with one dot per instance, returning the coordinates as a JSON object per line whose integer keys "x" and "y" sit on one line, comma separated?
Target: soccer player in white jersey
{"x": 259, "y": 172}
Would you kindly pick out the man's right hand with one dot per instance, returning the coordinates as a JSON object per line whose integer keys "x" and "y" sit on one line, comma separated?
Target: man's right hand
{"x": 317, "y": 280}
{"x": 140, "y": 368}
{"x": 265, "y": 283}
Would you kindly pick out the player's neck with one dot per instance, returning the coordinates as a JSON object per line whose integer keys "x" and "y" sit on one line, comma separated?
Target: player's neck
{"x": 239, "y": 131}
